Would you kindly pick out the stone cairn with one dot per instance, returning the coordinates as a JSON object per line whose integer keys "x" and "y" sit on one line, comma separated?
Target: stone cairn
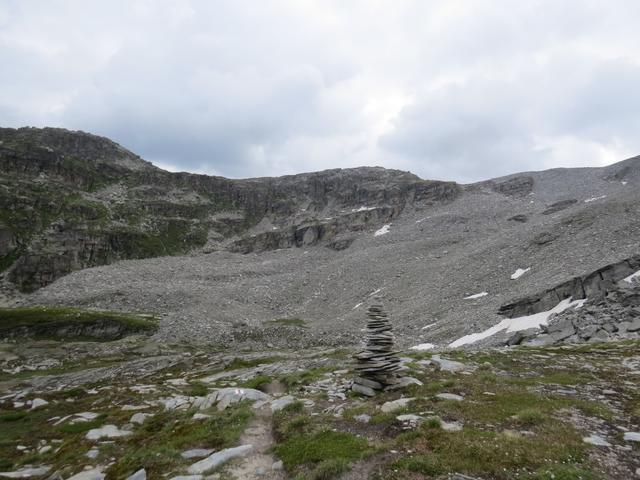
{"x": 377, "y": 364}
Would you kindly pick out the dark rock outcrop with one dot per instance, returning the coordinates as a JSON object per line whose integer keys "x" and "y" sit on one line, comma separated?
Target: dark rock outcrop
{"x": 558, "y": 206}
{"x": 71, "y": 200}
{"x": 593, "y": 286}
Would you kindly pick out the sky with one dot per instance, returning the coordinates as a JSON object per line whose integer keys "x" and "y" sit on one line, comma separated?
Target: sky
{"x": 459, "y": 90}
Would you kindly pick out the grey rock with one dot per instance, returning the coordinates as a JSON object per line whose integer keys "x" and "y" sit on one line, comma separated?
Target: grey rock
{"x": 450, "y": 396}
{"x": 395, "y": 405}
{"x": 218, "y": 458}
{"x": 196, "y": 453}
{"x": 139, "y": 475}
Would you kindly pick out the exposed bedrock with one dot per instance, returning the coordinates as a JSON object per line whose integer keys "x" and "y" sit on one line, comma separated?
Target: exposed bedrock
{"x": 593, "y": 286}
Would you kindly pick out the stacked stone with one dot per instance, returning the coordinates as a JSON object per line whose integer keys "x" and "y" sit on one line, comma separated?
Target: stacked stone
{"x": 377, "y": 363}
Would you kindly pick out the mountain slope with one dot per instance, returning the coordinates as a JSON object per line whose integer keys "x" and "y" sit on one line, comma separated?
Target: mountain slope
{"x": 71, "y": 200}
{"x": 443, "y": 242}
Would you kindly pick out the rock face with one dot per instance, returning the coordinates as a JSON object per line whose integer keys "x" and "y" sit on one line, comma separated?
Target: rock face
{"x": 614, "y": 317}
{"x": 71, "y": 200}
{"x": 377, "y": 364}
{"x": 594, "y": 286}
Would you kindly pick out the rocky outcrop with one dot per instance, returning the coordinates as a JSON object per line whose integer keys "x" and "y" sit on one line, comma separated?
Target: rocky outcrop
{"x": 71, "y": 200}
{"x": 616, "y": 317}
{"x": 558, "y": 206}
{"x": 516, "y": 186}
{"x": 593, "y": 286}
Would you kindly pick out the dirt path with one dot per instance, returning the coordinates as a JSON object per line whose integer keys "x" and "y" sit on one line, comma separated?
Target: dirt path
{"x": 258, "y": 465}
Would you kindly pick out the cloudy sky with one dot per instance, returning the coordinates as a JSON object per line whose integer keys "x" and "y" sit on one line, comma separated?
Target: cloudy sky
{"x": 456, "y": 89}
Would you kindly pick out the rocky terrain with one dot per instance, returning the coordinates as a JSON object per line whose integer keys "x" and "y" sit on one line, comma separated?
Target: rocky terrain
{"x": 286, "y": 260}
{"x": 180, "y": 326}
{"x": 135, "y": 408}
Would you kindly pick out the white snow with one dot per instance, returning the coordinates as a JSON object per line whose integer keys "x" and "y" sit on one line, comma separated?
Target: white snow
{"x": 357, "y": 305}
{"x": 476, "y": 295}
{"x": 382, "y": 231}
{"x": 593, "y": 199}
{"x": 520, "y": 323}
{"x": 632, "y": 278}
{"x": 623, "y": 183}
{"x": 422, "y": 219}
{"x": 363, "y": 209}
{"x": 429, "y": 326}
{"x": 519, "y": 272}
{"x": 423, "y": 346}
{"x": 377, "y": 291}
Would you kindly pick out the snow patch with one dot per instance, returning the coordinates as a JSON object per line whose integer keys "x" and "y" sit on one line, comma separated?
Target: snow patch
{"x": 623, "y": 183}
{"x": 519, "y": 272}
{"x": 382, "y": 231}
{"x": 363, "y": 209}
{"x": 423, "y": 346}
{"x": 633, "y": 278}
{"x": 357, "y": 305}
{"x": 593, "y": 199}
{"x": 429, "y": 326}
{"x": 477, "y": 295}
{"x": 519, "y": 323}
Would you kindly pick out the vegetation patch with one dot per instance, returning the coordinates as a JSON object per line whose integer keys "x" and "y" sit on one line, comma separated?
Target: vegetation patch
{"x": 57, "y": 322}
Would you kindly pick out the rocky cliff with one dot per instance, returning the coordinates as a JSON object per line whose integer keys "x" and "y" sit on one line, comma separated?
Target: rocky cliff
{"x": 71, "y": 200}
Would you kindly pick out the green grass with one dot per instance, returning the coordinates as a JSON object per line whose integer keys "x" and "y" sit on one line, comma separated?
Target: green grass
{"x": 319, "y": 447}
{"x": 157, "y": 445}
{"x": 489, "y": 453}
{"x": 45, "y": 321}
{"x": 258, "y": 382}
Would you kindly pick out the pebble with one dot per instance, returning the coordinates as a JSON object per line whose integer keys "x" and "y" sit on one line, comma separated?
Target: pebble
{"x": 196, "y": 453}
{"x": 92, "y": 474}
{"x": 38, "y": 402}
{"x": 277, "y": 466}
{"x": 139, "y": 475}
{"x": 450, "y": 396}
{"x": 93, "y": 453}
{"x": 219, "y": 458}
{"x": 394, "y": 405}
{"x": 108, "y": 431}
{"x": 26, "y": 472}
{"x": 139, "y": 418}
{"x": 596, "y": 440}
{"x": 362, "y": 418}
{"x": 632, "y": 436}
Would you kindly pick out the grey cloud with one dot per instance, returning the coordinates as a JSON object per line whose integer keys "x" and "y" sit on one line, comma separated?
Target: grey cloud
{"x": 448, "y": 89}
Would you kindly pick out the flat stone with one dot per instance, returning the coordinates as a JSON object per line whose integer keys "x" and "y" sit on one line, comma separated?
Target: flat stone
{"x": 93, "y": 474}
{"x": 362, "y": 418}
{"x": 450, "y": 396}
{"x": 38, "y": 402}
{"x": 395, "y": 405}
{"x": 280, "y": 403}
{"x": 197, "y": 453}
{"x": 451, "y": 426}
{"x": 368, "y": 391}
{"x": 368, "y": 383}
{"x": 449, "y": 365}
{"x": 410, "y": 418}
{"x": 26, "y": 472}
{"x": 277, "y": 466}
{"x": 596, "y": 440}
{"x": 139, "y": 475}
{"x": 632, "y": 436}
{"x": 218, "y": 458}
{"x": 139, "y": 418}
{"x": 93, "y": 453}
{"x": 228, "y": 396}
{"x": 107, "y": 431}
{"x": 200, "y": 416}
